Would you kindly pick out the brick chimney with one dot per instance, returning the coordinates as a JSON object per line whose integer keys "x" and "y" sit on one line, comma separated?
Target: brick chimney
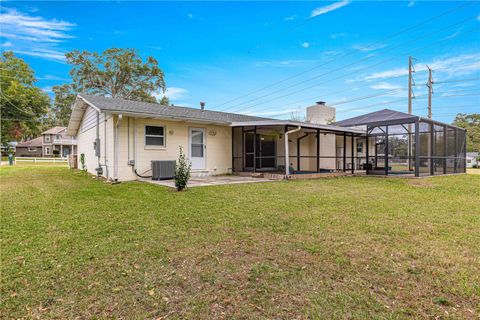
{"x": 320, "y": 113}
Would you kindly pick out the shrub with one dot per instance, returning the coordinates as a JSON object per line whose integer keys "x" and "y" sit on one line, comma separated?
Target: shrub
{"x": 182, "y": 171}
{"x": 82, "y": 161}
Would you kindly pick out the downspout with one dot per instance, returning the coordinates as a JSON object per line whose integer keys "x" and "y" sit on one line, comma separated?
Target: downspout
{"x": 287, "y": 161}
{"x": 116, "y": 144}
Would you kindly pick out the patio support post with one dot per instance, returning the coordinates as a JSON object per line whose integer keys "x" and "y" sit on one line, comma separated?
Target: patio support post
{"x": 366, "y": 151}
{"x": 243, "y": 149}
{"x": 353, "y": 159}
{"x": 287, "y": 162}
{"x": 233, "y": 148}
{"x": 298, "y": 150}
{"x": 417, "y": 148}
{"x": 455, "y": 161}
{"x": 318, "y": 150}
{"x": 386, "y": 150}
{"x": 344, "y": 152}
{"x": 254, "y": 148}
{"x": 433, "y": 154}
{"x": 445, "y": 149}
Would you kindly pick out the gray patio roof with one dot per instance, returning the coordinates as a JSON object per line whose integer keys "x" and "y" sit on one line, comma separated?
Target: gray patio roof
{"x": 385, "y": 115}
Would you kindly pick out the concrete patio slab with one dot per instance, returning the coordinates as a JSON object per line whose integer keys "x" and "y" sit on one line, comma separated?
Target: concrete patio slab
{"x": 210, "y": 181}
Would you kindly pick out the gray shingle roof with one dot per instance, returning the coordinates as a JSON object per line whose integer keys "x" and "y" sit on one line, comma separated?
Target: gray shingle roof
{"x": 37, "y": 142}
{"x": 377, "y": 116}
{"x": 155, "y": 109}
{"x": 54, "y": 130}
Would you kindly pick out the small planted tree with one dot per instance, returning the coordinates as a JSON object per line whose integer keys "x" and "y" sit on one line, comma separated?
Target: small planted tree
{"x": 182, "y": 171}
{"x": 82, "y": 161}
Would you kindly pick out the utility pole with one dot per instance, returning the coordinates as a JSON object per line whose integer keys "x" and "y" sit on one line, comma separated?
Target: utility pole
{"x": 411, "y": 70}
{"x": 430, "y": 92}
{"x": 411, "y": 83}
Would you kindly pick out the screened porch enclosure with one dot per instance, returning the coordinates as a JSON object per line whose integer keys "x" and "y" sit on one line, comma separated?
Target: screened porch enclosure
{"x": 311, "y": 150}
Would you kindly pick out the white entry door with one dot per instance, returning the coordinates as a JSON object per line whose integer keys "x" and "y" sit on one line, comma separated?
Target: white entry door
{"x": 197, "y": 148}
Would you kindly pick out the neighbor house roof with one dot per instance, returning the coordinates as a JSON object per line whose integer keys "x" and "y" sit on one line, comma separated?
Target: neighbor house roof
{"x": 54, "y": 130}
{"x": 385, "y": 115}
{"x": 472, "y": 154}
{"x": 37, "y": 142}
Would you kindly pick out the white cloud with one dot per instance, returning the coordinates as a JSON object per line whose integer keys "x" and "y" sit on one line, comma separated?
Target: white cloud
{"x": 15, "y": 23}
{"x": 190, "y": 16}
{"x": 453, "y": 35}
{"x": 47, "y": 90}
{"x": 49, "y": 54}
{"x": 332, "y": 52}
{"x": 290, "y": 18}
{"x": 285, "y": 63}
{"x": 6, "y": 44}
{"x": 305, "y": 45}
{"x": 338, "y": 35}
{"x": 34, "y": 35}
{"x": 52, "y": 78}
{"x": 325, "y": 9}
{"x": 445, "y": 67}
{"x": 387, "y": 74}
{"x": 385, "y": 86}
{"x": 411, "y": 3}
{"x": 368, "y": 48}
{"x": 173, "y": 93}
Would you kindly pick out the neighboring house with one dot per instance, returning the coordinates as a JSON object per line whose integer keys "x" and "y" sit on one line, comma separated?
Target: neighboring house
{"x": 472, "y": 160}
{"x": 9, "y": 148}
{"x": 55, "y": 138}
{"x": 30, "y": 148}
{"x": 120, "y": 138}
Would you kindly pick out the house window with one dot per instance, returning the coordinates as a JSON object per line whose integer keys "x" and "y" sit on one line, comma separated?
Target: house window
{"x": 57, "y": 137}
{"x": 47, "y": 138}
{"x": 155, "y": 136}
{"x": 47, "y": 150}
{"x": 32, "y": 149}
{"x": 359, "y": 147}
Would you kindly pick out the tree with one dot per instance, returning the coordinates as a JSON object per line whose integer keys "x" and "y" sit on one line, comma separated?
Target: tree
{"x": 471, "y": 122}
{"x": 62, "y": 104}
{"x": 23, "y": 105}
{"x": 117, "y": 73}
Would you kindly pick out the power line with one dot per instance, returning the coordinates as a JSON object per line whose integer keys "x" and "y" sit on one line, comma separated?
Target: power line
{"x": 342, "y": 76}
{"x": 459, "y": 80}
{"x": 345, "y": 66}
{"x": 342, "y": 55}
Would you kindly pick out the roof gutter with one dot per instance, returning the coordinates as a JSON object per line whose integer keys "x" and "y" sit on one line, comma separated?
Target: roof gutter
{"x": 287, "y": 161}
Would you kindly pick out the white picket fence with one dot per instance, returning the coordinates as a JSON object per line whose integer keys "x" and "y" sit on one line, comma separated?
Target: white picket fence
{"x": 36, "y": 160}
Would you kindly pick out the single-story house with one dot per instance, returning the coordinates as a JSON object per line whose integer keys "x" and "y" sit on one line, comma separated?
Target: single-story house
{"x": 122, "y": 139}
{"x": 472, "y": 160}
{"x": 29, "y": 148}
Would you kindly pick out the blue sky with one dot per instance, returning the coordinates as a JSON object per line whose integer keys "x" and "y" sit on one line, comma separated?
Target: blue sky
{"x": 269, "y": 58}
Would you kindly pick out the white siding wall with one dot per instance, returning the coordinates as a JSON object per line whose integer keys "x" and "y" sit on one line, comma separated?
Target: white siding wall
{"x": 87, "y": 134}
{"x": 218, "y": 146}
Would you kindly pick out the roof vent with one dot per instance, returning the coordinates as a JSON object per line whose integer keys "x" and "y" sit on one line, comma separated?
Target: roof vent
{"x": 320, "y": 103}
{"x": 202, "y": 105}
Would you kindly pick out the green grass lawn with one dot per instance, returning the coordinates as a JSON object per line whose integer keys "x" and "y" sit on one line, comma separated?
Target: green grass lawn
{"x": 339, "y": 248}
